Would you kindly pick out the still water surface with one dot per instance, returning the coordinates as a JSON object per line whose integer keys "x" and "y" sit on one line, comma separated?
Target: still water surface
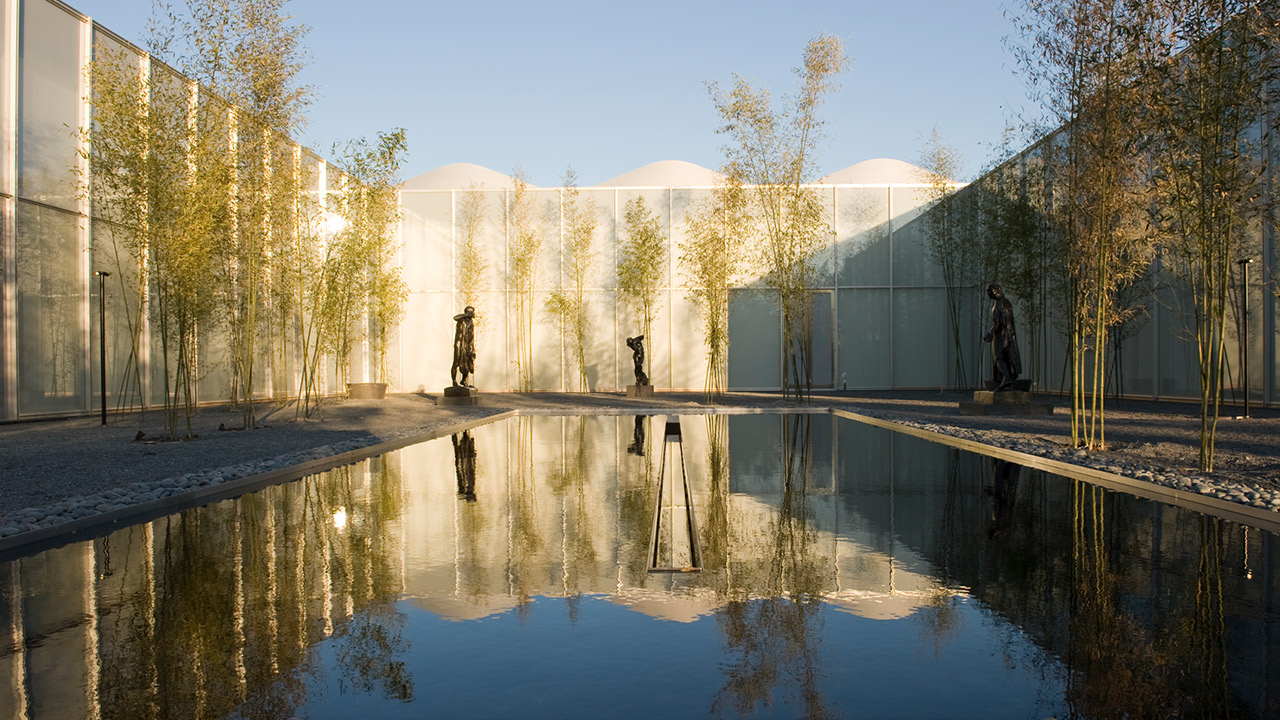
{"x": 752, "y": 566}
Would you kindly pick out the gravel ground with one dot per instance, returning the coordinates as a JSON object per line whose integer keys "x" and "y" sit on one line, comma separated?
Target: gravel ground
{"x": 58, "y": 470}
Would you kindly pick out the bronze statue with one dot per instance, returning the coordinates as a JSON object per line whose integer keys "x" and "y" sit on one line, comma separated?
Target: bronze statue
{"x": 637, "y": 437}
{"x": 1003, "y": 339}
{"x": 464, "y": 465}
{"x": 637, "y": 353}
{"x": 464, "y": 347}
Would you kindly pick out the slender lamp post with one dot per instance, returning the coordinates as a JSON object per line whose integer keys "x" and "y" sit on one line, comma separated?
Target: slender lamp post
{"x": 102, "y": 337}
{"x": 1244, "y": 335}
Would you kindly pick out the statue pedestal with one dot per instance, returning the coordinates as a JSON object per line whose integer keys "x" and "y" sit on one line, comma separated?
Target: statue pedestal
{"x": 458, "y": 395}
{"x": 638, "y": 391}
{"x": 1005, "y": 402}
{"x": 366, "y": 391}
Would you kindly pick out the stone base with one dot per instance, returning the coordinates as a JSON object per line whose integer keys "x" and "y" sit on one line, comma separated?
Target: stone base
{"x": 1004, "y": 397}
{"x": 1016, "y": 401}
{"x": 1005, "y": 402}
{"x": 637, "y": 391}
{"x": 458, "y": 395}
{"x": 366, "y": 391}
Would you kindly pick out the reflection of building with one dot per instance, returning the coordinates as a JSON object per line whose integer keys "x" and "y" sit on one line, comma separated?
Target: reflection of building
{"x": 194, "y": 615}
{"x": 198, "y": 613}
{"x": 591, "y": 515}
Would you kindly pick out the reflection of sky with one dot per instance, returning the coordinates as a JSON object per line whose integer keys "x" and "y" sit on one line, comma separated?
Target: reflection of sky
{"x": 614, "y": 663}
{"x": 377, "y": 581}
{"x": 459, "y": 557}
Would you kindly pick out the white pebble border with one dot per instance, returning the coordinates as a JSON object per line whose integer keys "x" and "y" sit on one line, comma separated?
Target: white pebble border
{"x": 1241, "y": 493}
{"x": 28, "y": 519}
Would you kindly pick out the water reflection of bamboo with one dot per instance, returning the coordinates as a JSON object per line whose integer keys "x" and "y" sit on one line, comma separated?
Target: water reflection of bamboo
{"x": 524, "y": 542}
{"x": 636, "y": 496}
{"x": 715, "y": 530}
{"x": 1116, "y": 667}
{"x": 577, "y": 533}
{"x": 1209, "y": 624}
{"x": 776, "y": 636}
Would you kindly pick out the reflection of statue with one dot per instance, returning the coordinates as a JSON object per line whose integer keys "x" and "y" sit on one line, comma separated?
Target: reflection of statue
{"x": 1003, "y": 492}
{"x": 464, "y": 346}
{"x": 464, "y": 464}
{"x": 1003, "y": 339}
{"x": 637, "y": 438}
{"x": 637, "y": 353}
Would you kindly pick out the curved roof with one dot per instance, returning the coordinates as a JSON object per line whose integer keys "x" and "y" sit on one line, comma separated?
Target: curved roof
{"x": 458, "y": 176}
{"x": 878, "y": 171}
{"x": 665, "y": 173}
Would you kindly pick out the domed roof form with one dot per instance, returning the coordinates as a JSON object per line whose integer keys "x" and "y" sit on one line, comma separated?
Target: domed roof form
{"x": 458, "y": 176}
{"x": 878, "y": 171}
{"x": 666, "y": 173}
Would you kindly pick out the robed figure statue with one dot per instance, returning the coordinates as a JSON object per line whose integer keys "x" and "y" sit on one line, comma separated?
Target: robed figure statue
{"x": 1003, "y": 339}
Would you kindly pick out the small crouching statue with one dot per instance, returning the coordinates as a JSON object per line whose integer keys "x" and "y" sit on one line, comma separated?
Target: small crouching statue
{"x": 464, "y": 347}
{"x": 637, "y": 353}
{"x": 1003, "y": 339}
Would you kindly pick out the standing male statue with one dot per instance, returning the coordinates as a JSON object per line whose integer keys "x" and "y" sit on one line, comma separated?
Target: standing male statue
{"x": 1003, "y": 339}
{"x": 464, "y": 347}
{"x": 637, "y": 353}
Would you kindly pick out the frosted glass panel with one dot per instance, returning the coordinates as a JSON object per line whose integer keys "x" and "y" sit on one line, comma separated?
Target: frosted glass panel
{"x": 123, "y": 317}
{"x": 427, "y": 237}
{"x": 920, "y": 338}
{"x": 862, "y": 236}
{"x": 605, "y": 271}
{"x": 50, "y": 312}
{"x": 6, "y": 80}
{"x": 824, "y": 262}
{"x": 49, "y": 61}
{"x": 863, "y": 338}
{"x": 1177, "y": 351}
{"x": 479, "y": 245}
{"x": 823, "y": 340}
{"x": 911, "y": 262}
{"x": 755, "y": 342}
{"x": 1136, "y": 343}
{"x": 602, "y": 347}
{"x": 656, "y": 202}
{"x": 546, "y": 215}
{"x": 215, "y": 366}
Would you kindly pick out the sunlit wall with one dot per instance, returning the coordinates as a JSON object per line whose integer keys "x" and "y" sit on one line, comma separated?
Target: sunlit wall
{"x": 879, "y": 305}
{"x": 52, "y": 240}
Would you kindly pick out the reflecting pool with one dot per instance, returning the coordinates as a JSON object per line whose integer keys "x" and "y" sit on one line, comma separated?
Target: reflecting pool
{"x": 701, "y": 566}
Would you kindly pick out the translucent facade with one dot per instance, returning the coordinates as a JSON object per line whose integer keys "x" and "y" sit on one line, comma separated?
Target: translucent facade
{"x": 1153, "y": 354}
{"x": 881, "y": 318}
{"x": 878, "y": 308}
{"x": 53, "y": 240}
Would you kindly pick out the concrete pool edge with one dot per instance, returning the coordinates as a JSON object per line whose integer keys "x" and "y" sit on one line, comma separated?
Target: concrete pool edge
{"x": 62, "y": 533}
{"x": 1240, "y": 513}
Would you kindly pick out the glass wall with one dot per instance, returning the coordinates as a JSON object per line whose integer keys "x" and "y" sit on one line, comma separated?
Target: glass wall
{"x": 55, "y": 236}
{"x": 51, "y": 317}
{"x": 50, "y": 68}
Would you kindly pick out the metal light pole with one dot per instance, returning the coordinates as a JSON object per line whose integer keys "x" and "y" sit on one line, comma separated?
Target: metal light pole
{"x": 102, "y": 336}
{"x": 1244, "y": 334}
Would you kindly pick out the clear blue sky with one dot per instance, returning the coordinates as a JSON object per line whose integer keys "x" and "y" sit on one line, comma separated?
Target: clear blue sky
{"x": 608, "y": 87}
